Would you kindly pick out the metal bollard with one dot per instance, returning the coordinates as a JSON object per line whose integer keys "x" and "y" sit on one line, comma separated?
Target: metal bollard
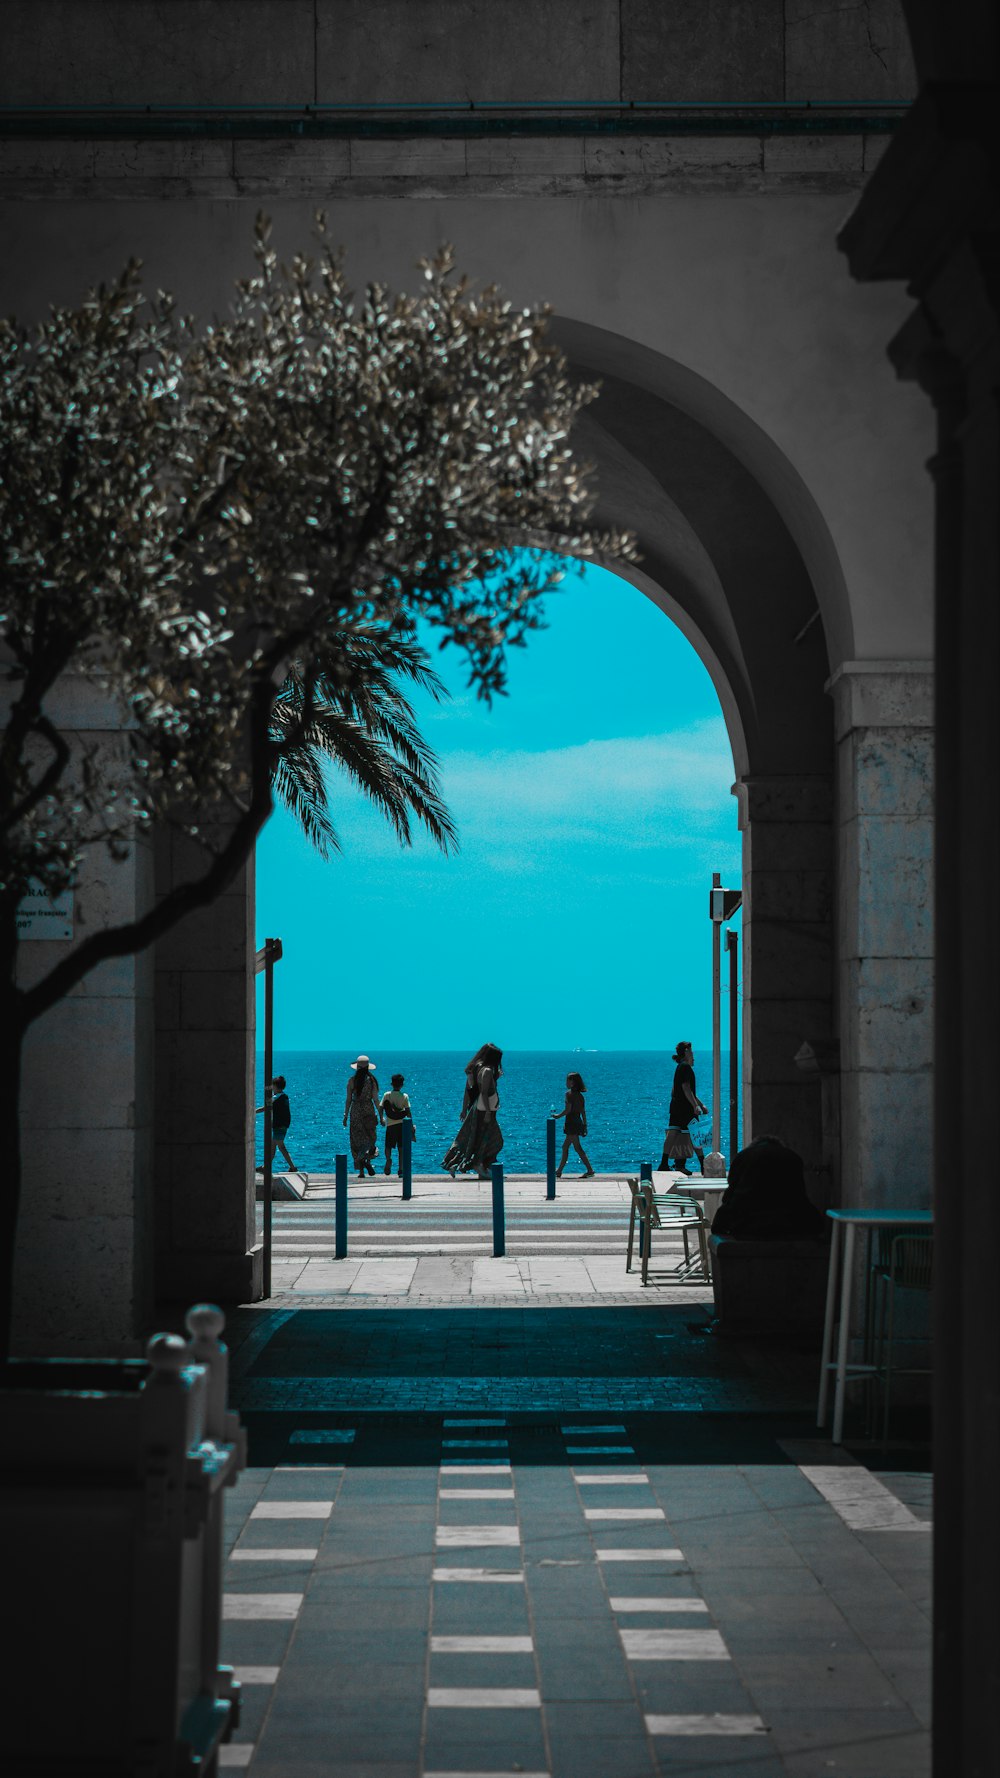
{"x": 340, "y": 1208}
{"x": 406, "y": 1157}
{"x": 550, "y": 1157}
{"x": 499, "y": 1246}
{"x": 645, "y": 1178}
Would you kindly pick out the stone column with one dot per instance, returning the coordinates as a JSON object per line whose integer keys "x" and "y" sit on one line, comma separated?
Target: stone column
{"x": 204, "y": 1117}
{"x": 883, "y": 713}
{"x": 83, "y": 1274}
{"x": 787, "y": 961}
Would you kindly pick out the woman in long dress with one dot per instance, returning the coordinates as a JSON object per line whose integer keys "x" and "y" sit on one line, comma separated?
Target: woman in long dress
{"x": 361, "y": 1107}
{"x": 479, "y": 1138}
{"x": 685, "y": 1107}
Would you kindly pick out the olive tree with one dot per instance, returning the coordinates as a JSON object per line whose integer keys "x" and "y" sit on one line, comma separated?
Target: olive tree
{"x": 187, "y": 510}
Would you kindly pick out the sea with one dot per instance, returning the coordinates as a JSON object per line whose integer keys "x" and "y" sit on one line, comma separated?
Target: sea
{"x": 628, "y": 1093}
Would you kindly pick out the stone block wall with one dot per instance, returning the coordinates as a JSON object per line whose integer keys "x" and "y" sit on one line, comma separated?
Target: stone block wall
{"x": 788, "y": 963}
{"x": 884, "y": 726}
{"x": 83, "y": 1276}
{"x": 204, "y": 1036}
{"x": 295, "y": 52}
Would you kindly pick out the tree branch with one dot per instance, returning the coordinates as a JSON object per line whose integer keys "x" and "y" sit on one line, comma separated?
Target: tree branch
{"x": 50, "y": 777}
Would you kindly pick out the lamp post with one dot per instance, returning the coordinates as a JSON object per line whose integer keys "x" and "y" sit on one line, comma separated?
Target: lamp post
{"x": 266, "y": 958}
{"x": 722, "y": 905}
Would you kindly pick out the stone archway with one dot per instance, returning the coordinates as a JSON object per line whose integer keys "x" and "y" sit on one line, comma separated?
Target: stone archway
{"x": 720, "y": 558}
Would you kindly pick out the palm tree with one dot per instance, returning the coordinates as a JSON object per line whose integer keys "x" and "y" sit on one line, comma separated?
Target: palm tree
{"x": 360, "y": 720}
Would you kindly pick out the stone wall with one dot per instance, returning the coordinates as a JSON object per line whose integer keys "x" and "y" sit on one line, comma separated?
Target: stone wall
{"x": 206, "y": 1242}
{"x": 83, "y": 1276}
{"x": 884, "y": 727}
{"x": 434, "y": 51}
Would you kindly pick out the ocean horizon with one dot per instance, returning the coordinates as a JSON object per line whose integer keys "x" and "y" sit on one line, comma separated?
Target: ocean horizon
{"x": 628, "y": 1094}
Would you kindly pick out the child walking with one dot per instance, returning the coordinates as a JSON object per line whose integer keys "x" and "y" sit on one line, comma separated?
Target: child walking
{"x": 281, "y": 1117}
{"x": 395, "y": 1108}
{"x": 575, "y": 1113}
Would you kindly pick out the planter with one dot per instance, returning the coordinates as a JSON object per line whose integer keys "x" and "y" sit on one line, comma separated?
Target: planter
{"x": 111, "y": 1482}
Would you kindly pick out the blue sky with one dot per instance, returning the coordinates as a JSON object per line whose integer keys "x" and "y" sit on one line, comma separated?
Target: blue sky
{"x": 593, "y": 804}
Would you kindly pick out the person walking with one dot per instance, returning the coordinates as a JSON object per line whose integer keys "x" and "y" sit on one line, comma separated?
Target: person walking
{"x": 575, "y": 1126}
{"x": 394, "y": 1106}
{"x": 361, "y": 1107}
{"x": 685, "y": 1107}
{"x": 479, "y": 1138}
{"x": 281, "y": 1117}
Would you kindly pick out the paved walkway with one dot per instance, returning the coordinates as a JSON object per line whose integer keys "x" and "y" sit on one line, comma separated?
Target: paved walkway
{"x": 440, "y": 1562}
{"x": 438, "y": 1246}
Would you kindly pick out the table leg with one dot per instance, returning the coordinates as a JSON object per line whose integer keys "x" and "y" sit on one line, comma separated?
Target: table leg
{"x": 846, "y": 1291}
{"x": 831, "y": 1298}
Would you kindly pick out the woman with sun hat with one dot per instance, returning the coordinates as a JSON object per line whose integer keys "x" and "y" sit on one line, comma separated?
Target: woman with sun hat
{"x": 361, "y": 1108}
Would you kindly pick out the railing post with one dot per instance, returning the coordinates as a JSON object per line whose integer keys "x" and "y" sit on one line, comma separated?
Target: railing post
{"x": 406, "y": 1157}
{"x": 550, "y": 1157}
{"x": 340, "y": 1208}
{"x": 645, "y": 1178}
{"x": 496, "y": 1173}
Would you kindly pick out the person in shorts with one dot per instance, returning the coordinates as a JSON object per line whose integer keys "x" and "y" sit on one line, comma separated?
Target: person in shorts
{"x": 395, "y": 1108}
{"x": 281, "y": 1117}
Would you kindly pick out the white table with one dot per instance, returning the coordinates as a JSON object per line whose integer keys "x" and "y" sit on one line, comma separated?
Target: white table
{"x": 845, "y": 1226}
{"x": 710, "y": 1191}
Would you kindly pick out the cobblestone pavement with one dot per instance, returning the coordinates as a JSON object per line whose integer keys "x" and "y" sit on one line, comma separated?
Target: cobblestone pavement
{"x": 529, "y": 1581}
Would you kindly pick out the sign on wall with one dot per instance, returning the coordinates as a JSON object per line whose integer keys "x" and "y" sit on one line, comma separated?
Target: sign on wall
{"x": 40, "y": 917}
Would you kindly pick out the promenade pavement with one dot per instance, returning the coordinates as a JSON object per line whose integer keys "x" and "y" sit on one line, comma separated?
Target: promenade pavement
{"x": 561, "y": 1534}
{"x": 437, "y": 1247}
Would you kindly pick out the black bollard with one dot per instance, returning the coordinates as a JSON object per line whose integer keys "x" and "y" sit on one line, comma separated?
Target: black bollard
{"x": 340, "y": 1208}
{"x": 499, "y": 1247}
{"x": 550, "y": 1157}
{"x": 406, "y": 1157}
{"x": 645, "y": 1178}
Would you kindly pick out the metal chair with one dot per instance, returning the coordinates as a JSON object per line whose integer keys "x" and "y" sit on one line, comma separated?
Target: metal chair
{"x": 668, "y": 1210}
{"x": 903, "y": 1262}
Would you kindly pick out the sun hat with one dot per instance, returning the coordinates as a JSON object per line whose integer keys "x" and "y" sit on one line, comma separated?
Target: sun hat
{"x": 363, "y": 1061}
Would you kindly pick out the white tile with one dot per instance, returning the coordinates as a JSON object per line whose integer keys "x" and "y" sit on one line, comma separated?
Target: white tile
{"x": 456, "y": 1537}
{"x": 588, "y": 1431}
{"x": 449, "y": 1468}
{"x": 487, "y": 1575}
{"x": 674, "y": 1645}
{"x": 323, "y": 1435}
{"x": 705, "y": 1725}
{"x": 476, "y": 1494}
{"x": 624, "y": 1512}
{"x": 500, "y": 1697}
{"x": 657, "y": 1555}
{"x": 860, "y": 1499}
{"x": 466, "y": 1425}
{"x": 484, "y": 1774}
{"x": 643, "y": 1603}
{"x": 256, "y": 1675}
{"x": 627, "y": 1479}
{"x": 236, "y": 1755}
{"x": 308, "y": 1468}
{"x": 304, "y": 1554}
{"x": 261, "y": 1608}
{"x": 481, "y": 1645}
{"x": 292, "y": 1509}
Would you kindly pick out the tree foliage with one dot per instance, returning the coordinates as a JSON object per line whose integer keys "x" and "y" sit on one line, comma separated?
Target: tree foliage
{"x": 185, "y": 511}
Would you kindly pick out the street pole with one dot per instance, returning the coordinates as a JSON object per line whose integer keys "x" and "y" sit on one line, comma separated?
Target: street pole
{"x": 266, "y": 958}
{"x": 716, "y": 1022}
{"x": 732, "y": 946}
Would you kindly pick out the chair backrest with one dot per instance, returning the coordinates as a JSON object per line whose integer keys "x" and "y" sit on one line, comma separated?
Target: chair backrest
{"x": 911, "y": 1261}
